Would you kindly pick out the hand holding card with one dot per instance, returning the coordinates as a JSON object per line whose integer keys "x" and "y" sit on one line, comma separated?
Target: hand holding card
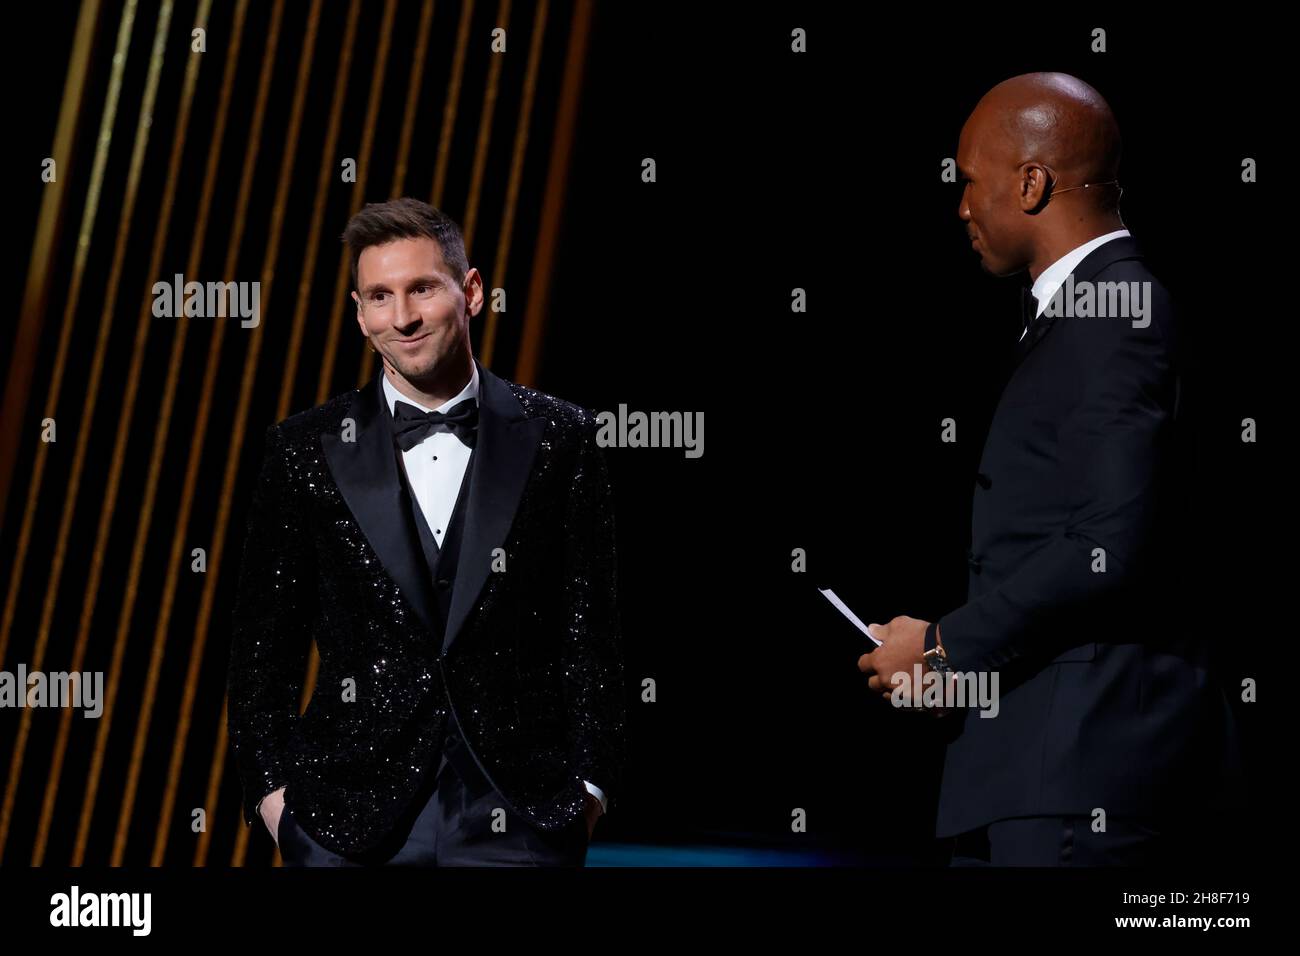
{"x": 844, "y": 609}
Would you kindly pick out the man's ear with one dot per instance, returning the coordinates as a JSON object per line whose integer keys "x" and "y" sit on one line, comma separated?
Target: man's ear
{"x": 360, "y": 318}
{"x": 474, "y": 291}
{"x": 1035, "y": 187}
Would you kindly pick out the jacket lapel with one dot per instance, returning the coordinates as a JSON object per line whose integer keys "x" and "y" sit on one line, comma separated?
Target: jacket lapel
{"x": 506, "y": 444}
{"x": 1107, "y": 253}
{"x": 365, "y": 470}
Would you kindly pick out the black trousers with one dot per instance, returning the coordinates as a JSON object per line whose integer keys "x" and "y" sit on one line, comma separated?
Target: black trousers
{"x": 1064, "y": 841}
{"x": 459, "y": 819}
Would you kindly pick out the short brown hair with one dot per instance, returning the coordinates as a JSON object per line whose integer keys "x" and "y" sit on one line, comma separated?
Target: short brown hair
{"x": 405, "y": 218}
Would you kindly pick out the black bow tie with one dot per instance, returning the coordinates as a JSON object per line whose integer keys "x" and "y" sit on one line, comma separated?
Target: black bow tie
{"x": 1028, "y": 308}
{"x": 411, "y": 426}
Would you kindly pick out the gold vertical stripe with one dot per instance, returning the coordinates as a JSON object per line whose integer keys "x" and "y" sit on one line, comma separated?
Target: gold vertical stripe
{"x": 315, "y": 235}
{"x": 482, "y": 144}
{"x": 213, "y": 352}
{"x": 412, "y": 98}
{"x": 343, "y": 274}
{"x": 365, "y": 367}
{"x": 217, "y": 768}
{"x": 167, "y": 401}
{"x": 49, "y": 223}
{"x": 449, "y": 105}
{"x": 306, "y": 274}
{"x": 107, "y": 120}
{"x": 86, "y": 230}
{"x": 553, "y": 204}
{"x": 501, "y": 260}
{"x": 89, "y": 403}
{"x": 119, "y": 456}
{"x": 449, "y": 111}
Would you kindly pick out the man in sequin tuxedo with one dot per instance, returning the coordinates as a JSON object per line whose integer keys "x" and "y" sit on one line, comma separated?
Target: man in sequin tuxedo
{"x": 446, "y": 538}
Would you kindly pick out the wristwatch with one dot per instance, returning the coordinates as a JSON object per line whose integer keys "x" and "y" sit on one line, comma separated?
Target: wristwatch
{"x": 935, "y": 656}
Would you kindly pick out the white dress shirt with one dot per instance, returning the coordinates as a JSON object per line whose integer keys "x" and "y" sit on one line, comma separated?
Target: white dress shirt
{"x": 1053, "y": 277}
{"x": 435, "y": 468}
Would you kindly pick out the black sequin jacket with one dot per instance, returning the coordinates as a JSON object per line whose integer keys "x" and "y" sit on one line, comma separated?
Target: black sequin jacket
{"x": 530, "y": 658}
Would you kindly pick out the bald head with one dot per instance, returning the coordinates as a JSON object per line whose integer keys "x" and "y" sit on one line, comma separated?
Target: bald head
{"x": 1058, "y": 120}
{"x": 1028, "y": 141}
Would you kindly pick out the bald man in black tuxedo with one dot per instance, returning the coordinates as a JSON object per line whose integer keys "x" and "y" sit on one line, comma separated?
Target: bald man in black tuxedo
{"x": 1110, "y": 733}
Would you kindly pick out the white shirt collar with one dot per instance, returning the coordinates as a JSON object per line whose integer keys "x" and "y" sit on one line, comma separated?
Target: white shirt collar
{"x": 1053, "y": 277}
{"x": 469, "y": 391}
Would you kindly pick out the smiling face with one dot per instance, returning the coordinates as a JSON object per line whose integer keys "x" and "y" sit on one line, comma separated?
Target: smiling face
{"x": 994, "y": 198}
{"x": 414, "y": 311}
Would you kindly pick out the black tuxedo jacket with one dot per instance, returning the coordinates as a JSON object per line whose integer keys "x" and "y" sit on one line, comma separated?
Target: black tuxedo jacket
{"x": 1105, "y": 695}
{"x": 520, "y": 648}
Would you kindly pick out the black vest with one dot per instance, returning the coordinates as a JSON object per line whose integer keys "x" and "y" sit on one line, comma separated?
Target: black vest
{"x": 441, "y": 563}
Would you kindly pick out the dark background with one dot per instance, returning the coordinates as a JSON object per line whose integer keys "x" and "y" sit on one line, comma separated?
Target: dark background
{"x": 775, "y": 171}
{"x": 822, "y": 429}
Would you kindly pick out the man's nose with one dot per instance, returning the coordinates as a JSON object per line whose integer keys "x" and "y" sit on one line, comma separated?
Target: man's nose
{"x": 405, "y": 314}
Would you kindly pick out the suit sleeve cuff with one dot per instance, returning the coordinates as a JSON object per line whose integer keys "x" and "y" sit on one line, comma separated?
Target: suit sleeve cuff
{"x": 599, "y": 794}
{"x": 931, "y": 641}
